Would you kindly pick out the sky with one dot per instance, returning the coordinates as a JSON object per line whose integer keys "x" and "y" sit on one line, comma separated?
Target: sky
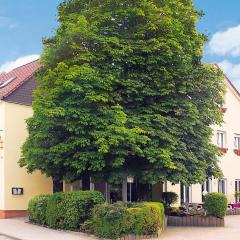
{"x": 23, "y": 24}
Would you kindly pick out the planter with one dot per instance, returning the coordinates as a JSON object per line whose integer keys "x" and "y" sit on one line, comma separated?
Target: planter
{"x": 139, "y": 237}
{"x": 223, "y": 110}
{"x": 233, "y": 211}
{"x": 223, "y": 150}
{"x": 237, "y": 152}
{"x": 196, "y": 221}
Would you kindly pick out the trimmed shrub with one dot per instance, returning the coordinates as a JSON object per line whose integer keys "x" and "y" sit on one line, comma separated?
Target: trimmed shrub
{"x": 160, "y": 208}
{"x": 68, "y": 210}
{"x": 169, "y": 198}
{"x": 110, "y": 221}
{"x": 148, "y": 219}
{"x": 37, "y": 209}
{"x": 117, "y": 220}
{"x": 216, "y": 204}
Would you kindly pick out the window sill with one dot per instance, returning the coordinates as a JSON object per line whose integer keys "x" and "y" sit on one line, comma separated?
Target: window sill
{"x": 223, "y": 150}
{"x": 237, "y": 151}
{"x": 223, "y": 110}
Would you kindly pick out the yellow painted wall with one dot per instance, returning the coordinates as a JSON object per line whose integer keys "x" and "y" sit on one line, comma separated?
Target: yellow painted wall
{"x": 2, "y": 180}
{"x": 15, "y": 134}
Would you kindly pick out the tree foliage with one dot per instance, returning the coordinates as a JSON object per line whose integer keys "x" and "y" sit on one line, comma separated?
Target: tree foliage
{"x": 122, "y": 90}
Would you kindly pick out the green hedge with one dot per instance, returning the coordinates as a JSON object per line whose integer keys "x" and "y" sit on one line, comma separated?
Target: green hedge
{"x": 160, "y": 208}
{"x": 216, "y": 204}
{"x": 68, "y": 210}
{"x": 117, "y": 220}
{"x": 37, "y": 209}
{"x": 86, "y": 209}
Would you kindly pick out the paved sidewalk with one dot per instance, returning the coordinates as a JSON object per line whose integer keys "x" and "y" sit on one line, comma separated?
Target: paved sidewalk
{"x": 18, "y": 229}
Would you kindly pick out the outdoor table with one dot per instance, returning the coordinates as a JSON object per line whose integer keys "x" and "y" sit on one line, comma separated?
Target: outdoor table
{"x": 234, "y": 205}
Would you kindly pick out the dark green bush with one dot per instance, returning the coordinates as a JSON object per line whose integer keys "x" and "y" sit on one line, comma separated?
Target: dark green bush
{"x": 117, "y": 220}
{"x": 169, "y": 198}
{"x": 216, "y": 204}
{"x": 68, "y": 210}
{"x": 37, "y": 209}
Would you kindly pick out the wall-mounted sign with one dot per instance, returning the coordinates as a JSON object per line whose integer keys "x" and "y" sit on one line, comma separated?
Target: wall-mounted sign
{"x": 17, "y": 191}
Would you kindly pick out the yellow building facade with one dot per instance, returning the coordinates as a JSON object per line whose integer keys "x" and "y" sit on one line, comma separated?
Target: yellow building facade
{"x": 17, "y": 187}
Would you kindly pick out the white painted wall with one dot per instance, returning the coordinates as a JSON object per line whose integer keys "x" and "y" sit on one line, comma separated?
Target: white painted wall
{"x": 229, "y": 162}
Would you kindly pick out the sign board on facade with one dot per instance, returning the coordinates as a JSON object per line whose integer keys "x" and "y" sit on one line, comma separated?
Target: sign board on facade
{"x": 17, "y": 191}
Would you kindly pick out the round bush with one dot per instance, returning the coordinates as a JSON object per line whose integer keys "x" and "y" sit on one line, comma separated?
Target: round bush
{"x": 169, "y": 198}
{"x": 37, "y": 209}
{"x": 110, "y": 221}
{"x": 68, "y": 210}
{"x": 216, "y": 204}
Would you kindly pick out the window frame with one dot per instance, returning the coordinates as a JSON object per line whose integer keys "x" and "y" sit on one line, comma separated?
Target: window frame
{"x": 237, "y": 189}
{"x": 237, "y": 141}
{"x": 222, "y": 186}
{"x": 185, "y": 193}
{"x": 221, "y": 142}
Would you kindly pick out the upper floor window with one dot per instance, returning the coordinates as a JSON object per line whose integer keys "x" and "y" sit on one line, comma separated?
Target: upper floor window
{"x": 220, "y": 139}
{"x": 237, "y": 141}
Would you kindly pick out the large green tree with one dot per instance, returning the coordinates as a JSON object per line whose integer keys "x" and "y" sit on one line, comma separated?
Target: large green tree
{"x": 122, "y": 90}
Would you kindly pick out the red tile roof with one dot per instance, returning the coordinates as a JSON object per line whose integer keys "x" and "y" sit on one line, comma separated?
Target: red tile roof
{"x": 12, "y": 80}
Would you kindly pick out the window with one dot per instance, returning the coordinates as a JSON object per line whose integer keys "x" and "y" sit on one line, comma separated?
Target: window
{"x": 222, "y": 186}
{"x": 237, "y": 190}
{"x": 186, "y": 194}
{"x": 206, "y": 187}
{"x": 237, "y": 141}
{"x": 220, "y": 139}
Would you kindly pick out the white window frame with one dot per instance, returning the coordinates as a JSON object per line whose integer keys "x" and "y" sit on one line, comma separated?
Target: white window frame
{"x": 237, "y": 141}
{"x": 237, "y": 189}
{"x": 207, "y": 185}
{"x": 222, "y": 186}
{"x": 187, "y": 198}
{"x": 221, "y": 139}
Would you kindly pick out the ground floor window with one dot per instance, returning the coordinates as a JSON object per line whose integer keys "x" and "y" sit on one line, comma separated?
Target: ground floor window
{"x": 222, "y": 186}
{"x": 237, "y": 190}
{"x": 124, "y": 192}
{"x": 185, "y": 193}
{"x": 206, "y": 187}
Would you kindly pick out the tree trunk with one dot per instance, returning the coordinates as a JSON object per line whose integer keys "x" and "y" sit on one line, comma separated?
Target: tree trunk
{"x": 57, "y": 185}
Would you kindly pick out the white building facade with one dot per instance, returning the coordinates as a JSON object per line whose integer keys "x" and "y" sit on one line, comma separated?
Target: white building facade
{"x": 227, "y": 138}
